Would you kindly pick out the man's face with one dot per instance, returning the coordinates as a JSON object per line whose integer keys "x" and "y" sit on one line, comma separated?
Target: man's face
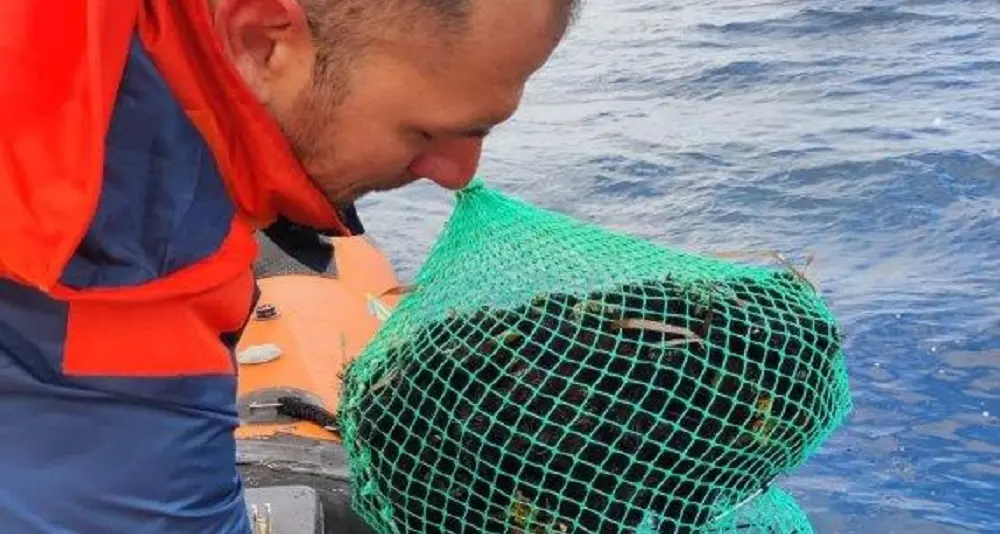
{"x": 416, "y": 104}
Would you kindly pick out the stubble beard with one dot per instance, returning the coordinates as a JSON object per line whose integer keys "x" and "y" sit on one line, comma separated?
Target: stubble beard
{"x": 306, "y": 128}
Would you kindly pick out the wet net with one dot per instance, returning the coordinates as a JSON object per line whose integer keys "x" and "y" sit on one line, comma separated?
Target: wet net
{"x": 548, "y": 375}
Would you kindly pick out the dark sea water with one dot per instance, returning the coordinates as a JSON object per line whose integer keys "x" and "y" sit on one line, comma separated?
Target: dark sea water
{"x": 866, "y": 132}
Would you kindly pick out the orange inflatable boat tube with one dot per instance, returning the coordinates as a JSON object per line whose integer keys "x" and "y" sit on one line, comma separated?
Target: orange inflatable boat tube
{"x": 305, "y": 330}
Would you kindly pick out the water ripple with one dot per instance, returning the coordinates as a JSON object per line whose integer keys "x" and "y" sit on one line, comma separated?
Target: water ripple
{"x": 810, "y": 21}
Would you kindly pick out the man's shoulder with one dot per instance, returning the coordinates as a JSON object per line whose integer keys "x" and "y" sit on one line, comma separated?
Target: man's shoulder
{"x": 59, "y": 76}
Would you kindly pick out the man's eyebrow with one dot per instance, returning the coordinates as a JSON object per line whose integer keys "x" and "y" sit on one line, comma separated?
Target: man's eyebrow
{"x": 476, "y": 131}
{"x": 480, "y": 128}
{"x": 484, "y": 126}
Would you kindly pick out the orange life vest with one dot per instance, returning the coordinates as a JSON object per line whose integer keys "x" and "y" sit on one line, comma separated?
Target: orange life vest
{"x": 134, "y": 168}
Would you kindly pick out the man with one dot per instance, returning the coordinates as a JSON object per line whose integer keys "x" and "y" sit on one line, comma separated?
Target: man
{"x": 141, "y": 146}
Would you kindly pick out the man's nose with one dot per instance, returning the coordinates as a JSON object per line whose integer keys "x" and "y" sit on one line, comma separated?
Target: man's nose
{"x": 450, "y": 163}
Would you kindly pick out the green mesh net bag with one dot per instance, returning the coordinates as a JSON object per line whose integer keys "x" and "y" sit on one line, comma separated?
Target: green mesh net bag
{"x": 547, "y": 375}
{"x": 772, "y": 512}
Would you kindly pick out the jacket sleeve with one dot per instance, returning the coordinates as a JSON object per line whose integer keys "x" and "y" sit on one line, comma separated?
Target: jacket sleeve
{"x": 60, "y": 64}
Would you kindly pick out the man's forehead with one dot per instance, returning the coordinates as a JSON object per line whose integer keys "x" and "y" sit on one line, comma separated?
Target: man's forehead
{"x": 513, "y": 38}
{"x": 483, "y": 73}
{"x": 512, "y": 18}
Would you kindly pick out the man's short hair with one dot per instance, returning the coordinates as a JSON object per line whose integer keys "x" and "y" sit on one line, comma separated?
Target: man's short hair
{"x": 344, "y": 27}
{"x": 451, "y": 13}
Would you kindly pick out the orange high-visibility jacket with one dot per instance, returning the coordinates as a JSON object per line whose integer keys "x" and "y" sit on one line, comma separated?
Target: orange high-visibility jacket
{"x": 134, "y": 168}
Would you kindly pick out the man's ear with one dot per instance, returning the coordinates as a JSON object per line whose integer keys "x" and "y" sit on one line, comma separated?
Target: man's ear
{"x": 260, "y": 38}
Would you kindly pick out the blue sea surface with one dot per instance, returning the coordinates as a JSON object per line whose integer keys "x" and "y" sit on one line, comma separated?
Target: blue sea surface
{"x": 864, "y": 132}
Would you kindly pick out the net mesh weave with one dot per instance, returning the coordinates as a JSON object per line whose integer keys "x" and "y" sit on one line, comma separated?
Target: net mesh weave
{"x": 548, "y": 375}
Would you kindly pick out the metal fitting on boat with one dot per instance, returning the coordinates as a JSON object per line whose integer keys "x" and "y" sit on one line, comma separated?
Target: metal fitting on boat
{"x": 262, "y": 523}
{"x": 265, "y": 312}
